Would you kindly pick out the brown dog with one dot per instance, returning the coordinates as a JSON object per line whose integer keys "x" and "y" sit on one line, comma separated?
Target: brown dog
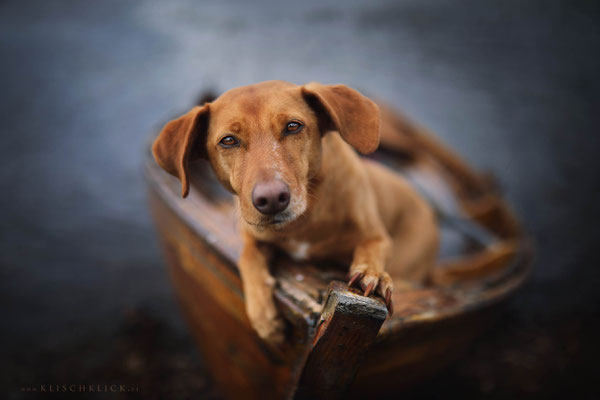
{"x": 285, "y": 150}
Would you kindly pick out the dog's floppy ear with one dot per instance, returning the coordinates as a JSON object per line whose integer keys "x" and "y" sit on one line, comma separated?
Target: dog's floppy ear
{"x": 178, "y": 144}
{"x": 353, "y": 115}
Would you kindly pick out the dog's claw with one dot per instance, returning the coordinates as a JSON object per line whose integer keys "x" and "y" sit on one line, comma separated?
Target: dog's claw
{"x": 354, "y": 278}
{"x": 373, "y": 282}
{"x": 388, "y": 302}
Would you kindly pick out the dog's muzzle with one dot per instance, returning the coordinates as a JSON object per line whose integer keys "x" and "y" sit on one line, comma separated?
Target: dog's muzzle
{"x": 271, "y": 197}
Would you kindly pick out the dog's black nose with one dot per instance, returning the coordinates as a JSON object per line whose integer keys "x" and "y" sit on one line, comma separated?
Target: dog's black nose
{"x": 271, "y": 197}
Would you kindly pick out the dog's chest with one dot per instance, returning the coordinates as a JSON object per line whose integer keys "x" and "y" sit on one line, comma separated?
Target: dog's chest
{"x": 298, "y": 250}
{"x": 338, "y": 245}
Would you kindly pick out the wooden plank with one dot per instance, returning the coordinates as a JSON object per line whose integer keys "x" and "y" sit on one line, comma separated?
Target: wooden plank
{"x": 348, "y": 325}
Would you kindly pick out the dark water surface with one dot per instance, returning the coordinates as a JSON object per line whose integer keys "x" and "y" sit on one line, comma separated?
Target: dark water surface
{"x": 511, "y": 85}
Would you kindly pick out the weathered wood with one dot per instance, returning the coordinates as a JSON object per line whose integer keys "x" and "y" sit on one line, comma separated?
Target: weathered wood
{"x": 348, "y": 325}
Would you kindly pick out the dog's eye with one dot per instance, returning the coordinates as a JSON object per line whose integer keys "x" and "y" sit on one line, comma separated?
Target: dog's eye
{"x": 293, "y": 127}
{"x": 228, "y": 141}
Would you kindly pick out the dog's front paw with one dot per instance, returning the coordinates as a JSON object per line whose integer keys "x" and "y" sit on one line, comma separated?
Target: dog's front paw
{"x": 267, "y": 323}
{"x": 373, "y": 281}
{"x": 271, "y": 330}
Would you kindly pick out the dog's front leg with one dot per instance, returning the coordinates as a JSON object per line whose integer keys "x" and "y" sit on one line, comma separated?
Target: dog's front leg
{"x": 258, "y": 290}
{"x": 368, "y": 267}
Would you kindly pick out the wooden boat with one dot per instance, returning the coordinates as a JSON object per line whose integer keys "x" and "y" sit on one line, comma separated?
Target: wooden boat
{"x": 340, "y": 341}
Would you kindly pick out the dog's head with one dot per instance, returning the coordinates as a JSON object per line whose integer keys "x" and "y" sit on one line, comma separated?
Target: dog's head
{"x": 264, "y": 142}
